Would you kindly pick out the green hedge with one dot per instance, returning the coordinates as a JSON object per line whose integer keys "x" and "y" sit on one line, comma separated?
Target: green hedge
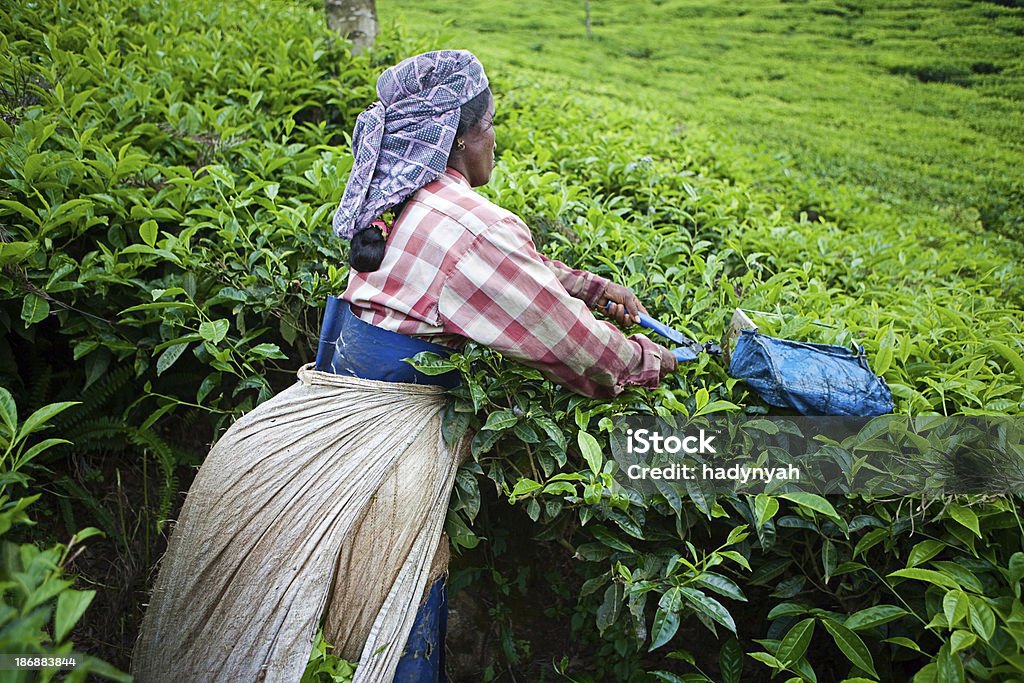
{"x": 167, "y": 175}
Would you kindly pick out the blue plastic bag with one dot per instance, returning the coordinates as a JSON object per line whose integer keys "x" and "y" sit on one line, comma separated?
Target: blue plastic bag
{"x": 814, "y": 379}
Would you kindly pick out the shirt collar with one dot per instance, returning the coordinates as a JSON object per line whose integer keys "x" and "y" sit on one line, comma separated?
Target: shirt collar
{"x": 458, "y": 176}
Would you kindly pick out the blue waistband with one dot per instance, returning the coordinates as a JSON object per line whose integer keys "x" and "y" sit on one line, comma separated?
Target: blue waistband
{"x": 352, "y": 347}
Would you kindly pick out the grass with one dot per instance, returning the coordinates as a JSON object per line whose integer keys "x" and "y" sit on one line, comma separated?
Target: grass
{"x": 920, "y": 105}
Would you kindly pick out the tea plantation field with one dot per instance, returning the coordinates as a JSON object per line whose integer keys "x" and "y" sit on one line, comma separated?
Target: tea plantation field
{"x": 917, "y": 101}
{"x": 850, "y": 171}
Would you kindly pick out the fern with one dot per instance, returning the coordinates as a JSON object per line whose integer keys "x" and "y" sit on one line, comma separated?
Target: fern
{"x": 81, "y": 496}
{"x": 101, "y": 434}
{"x": 167, "y": 461}
{"x": 40, "y": 374}
{"x": 99, "y": 395}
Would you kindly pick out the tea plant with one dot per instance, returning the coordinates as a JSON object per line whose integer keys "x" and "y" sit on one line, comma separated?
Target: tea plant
{"x": 38, "y": 606}
{"x": 167, "y": 176}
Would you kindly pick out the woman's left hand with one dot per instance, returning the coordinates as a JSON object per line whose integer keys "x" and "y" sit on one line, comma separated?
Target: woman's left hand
{"x": 624, "y": 308}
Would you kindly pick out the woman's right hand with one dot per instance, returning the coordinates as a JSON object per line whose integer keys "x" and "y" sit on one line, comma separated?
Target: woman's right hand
{"x": 621, "y": 304}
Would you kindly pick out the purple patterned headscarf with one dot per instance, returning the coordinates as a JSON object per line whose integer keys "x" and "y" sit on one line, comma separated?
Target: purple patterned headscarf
{"x": 401, "y": 142}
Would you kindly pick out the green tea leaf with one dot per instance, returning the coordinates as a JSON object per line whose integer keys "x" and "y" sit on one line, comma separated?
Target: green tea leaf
{"x": 735, "y": 557}
{"x": 983, "y": 620}
{"x": 591, "y": 450}
{"x": 828, "y": 558}
{"x": 955, "y": 607}
{"x": 611, "y": 607}
{"x": 214, "y": 331}
{"x": 36, "y": 450}
{"x": 34, "y": 309}
{"x": 961, "y": 640}
{"x": 1014, "y": 358}
{"x": 768, "y": 659}
{"x": 730, "y": 661}
{"x": 37, "y": 420}
{"x": 483, "y": 441}
{"x": 460, "y": 534}
{"x": 71, "y": 605}
{"x": 965, "y": 516}
{"x": 786, "y": 609}
{"x": 168, "y": 357}
{"x": 666, "y": 623}
{"x": 669, "y": 677}
{"x": 21, "y": 209}
{"x": 15, "y": 252}
{"x": 765, "y": 508}
{"x": 874, "y": 616}
{"x": 928, "y": 575}
{"x": 904, "y": 642}
{"x": 708, "y": 605}
{"x": 794, "y": 644}
{"x": 949, "y": 668}
{"x": 924, "y": 551}
{"x": 501, "y": 419}
{"x": 702, "y": 493}
{"x": 721, "y": 585}
{"x": 851, "y": 645}
{"x": 552, "y": 430}
{"x": 610, "y": 540}
{"x": 737, "y": 534}
{"x": 148, "y": 232}
{"x": 523, "y": 487}
{"x": 870, "y": 540}
{"x": 8, "y": 412}
{"x": 812, "y": 501}
{"x": 267, "y": 350}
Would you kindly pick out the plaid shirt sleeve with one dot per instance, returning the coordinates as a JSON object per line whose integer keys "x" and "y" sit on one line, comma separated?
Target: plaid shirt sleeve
{"x": 580, "y": 284}
{"x": 502, "y": 293}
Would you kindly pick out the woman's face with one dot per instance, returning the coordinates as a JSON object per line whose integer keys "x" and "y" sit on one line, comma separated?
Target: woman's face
{"x": 478, "y": 156}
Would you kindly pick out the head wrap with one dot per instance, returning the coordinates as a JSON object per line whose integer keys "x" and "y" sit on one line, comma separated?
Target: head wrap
{"x": 401, "y": 142}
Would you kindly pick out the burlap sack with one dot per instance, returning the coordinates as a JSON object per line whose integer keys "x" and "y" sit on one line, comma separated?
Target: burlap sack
{"x": 331, "y": 495}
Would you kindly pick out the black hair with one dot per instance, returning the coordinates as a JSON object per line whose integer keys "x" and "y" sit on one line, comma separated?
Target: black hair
{"x": 366, "y": 250}
{"x": 472, "y": 112}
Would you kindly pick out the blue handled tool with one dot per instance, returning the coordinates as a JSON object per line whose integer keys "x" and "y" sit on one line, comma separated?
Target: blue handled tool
{"x": 688, "y": 348}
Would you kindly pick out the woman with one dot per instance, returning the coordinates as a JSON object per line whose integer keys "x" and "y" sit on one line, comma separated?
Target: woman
{"x": 326, "y": 503}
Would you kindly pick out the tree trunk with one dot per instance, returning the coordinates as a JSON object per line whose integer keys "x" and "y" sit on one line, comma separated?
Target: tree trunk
{"x": 355, "y": 20}
{"x": 586, "y": 9}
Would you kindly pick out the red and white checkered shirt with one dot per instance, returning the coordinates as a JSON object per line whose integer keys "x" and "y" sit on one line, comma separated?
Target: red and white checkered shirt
{"x": 458, "y": 267}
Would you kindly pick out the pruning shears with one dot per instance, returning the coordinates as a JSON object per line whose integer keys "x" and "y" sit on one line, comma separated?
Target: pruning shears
{"x": 688, "y": 349}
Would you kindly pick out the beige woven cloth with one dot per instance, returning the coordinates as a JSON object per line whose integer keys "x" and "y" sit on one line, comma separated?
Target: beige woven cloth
{"x": 331, "y": 496}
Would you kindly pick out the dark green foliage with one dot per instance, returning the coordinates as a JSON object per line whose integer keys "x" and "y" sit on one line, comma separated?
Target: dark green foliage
{"x": 167, "y": 175}
{"x": 165, "y": 180}
{"x": 38, "y": 607}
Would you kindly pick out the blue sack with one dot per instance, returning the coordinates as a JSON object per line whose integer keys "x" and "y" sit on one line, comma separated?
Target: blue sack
{"x": 814, "y": 379}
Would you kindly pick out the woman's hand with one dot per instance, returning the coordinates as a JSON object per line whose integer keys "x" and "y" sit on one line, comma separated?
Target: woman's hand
{"x": 624, "y": 307}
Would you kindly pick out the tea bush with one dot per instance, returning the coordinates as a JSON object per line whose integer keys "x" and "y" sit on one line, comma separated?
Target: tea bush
{"x": 163, "y": 168}
{"x": 167, "y": 175}
{"x": 839, "y": 577}
{"x": 39, "y": 607}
